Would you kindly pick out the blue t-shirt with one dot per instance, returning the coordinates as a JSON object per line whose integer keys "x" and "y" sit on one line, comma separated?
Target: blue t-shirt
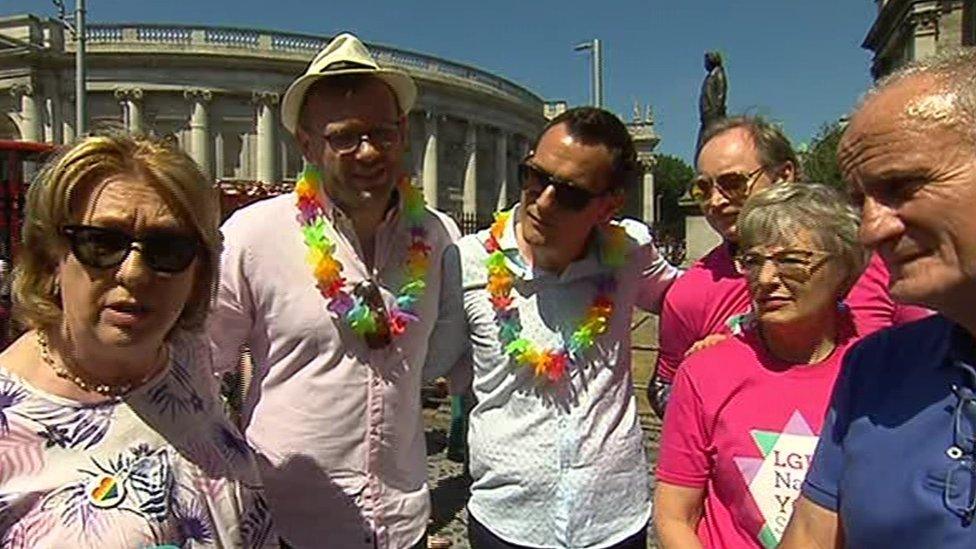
{"x": 883, "y": 455}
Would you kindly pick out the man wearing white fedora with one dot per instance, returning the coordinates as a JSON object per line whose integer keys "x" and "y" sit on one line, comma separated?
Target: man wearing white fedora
{"x": 334, "y": 288}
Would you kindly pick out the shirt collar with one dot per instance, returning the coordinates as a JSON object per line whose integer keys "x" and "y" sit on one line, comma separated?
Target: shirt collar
{"x": 588, "y": 265}
{"x": 335, "y": 215}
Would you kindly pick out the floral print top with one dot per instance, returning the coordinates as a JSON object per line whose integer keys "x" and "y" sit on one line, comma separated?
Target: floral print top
{"x": 160, "y": 467}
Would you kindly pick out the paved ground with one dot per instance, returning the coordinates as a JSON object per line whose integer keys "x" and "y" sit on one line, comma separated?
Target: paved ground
{"x": 449, "y": 488}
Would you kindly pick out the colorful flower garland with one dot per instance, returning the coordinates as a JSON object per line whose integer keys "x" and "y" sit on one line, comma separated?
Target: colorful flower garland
{"x": 551, "y": 363}
{"x": 327, "y": 269}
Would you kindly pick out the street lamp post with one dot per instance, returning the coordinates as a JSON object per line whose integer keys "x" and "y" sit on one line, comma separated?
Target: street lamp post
{"x": 597, "y": 69}
{"x": 76, "y": 25}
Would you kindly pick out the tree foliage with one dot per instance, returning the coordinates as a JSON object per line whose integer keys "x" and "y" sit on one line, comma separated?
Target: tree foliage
{"x": 671, "y": 178}
{"x": 819, "y": 162}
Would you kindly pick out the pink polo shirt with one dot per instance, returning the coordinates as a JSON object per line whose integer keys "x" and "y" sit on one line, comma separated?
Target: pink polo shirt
{"x": 337, "y": 427}
{"x": 701, "y": 302}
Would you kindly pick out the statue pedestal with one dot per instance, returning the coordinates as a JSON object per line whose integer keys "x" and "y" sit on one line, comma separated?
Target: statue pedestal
{"x": 700, "y": 238}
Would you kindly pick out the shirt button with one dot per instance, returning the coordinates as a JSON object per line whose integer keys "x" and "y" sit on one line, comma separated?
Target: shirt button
{"x": 954, "y": 452}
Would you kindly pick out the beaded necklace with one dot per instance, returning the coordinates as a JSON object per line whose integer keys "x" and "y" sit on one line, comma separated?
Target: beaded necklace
{"x": 104, "y": 389}
{"x": 550, "y": 363}
{"x": 351, "y": 308}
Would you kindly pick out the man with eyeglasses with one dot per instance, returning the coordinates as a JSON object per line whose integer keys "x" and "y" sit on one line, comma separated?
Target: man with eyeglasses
{"x": 896, "y": 463}
{"x": 739, "y": 156}
{"x": 544, "y": 300}
{"x": 334, "y": 289}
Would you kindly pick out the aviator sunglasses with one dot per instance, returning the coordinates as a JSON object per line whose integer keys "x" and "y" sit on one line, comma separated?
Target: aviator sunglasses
{"x": 734, "y": 186}
{"x": 101, "y": 247}
{"x": 568, "y": 195}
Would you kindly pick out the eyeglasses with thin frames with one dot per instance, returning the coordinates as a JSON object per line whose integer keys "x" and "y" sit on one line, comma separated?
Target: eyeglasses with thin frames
{"x": 794, "y": 264}
{"x": 383, "y": 137}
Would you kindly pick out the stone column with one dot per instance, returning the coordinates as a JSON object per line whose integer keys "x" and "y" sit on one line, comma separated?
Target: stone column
{"x": 32, "y": 122}
{"x": 267, "y": 103}
{"x": 470, "y": 204}
{"x": 430, "y": 159}
{"x": 522, "y": 150}
{"x": 52, "y": 120}
{"x": 649, "y": 206}
{"x": 219, "y": 153}
{"x": 283, "y": 154}
{"x": 200, "y": 147}
{"x": 67, "y": 118}
{"x": 131, "y": 101}
{"x": 501, "y": 169}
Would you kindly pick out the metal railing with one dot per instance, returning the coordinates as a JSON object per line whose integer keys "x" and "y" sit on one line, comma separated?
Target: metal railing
{"x": 256, "y": 41}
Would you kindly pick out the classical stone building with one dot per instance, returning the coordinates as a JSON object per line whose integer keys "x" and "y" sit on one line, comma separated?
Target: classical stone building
{"x": 906, "y": 30}
{"x": 216, "y": 91}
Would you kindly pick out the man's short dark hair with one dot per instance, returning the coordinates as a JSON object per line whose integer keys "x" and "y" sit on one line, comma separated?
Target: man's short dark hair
{"x": 595, "y": 126}
{"x": 773, "y": 145}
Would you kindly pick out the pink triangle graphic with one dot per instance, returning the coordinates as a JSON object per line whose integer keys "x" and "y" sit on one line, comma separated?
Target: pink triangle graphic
{"x": 797, "y": 425}
{"x": 748, "y": 466}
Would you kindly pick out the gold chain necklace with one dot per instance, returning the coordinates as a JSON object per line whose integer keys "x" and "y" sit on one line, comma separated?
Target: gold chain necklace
{"x": 103, "y": 389}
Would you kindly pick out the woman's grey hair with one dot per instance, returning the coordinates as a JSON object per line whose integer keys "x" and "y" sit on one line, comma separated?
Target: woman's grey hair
{"x": 776, "y": 215}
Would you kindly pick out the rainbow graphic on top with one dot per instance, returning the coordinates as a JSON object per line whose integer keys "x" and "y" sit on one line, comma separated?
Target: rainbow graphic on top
{"x": 106, "y": 491}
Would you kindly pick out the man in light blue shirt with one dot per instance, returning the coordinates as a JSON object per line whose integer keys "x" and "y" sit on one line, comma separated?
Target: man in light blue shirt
{"x": 543, "y": 300}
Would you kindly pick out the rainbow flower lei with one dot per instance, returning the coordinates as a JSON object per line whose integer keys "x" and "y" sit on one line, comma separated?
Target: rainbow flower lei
{"x": 327, "y": 270}
{"x": 549, "y": 364}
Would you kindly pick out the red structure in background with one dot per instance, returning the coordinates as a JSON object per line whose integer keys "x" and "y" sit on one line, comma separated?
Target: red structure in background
{"x": 19, "y": 161}
{"x": 237, "y": 193}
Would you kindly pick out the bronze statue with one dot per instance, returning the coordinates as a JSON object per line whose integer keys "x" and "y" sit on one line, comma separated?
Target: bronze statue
{"x": 711, "y": 102}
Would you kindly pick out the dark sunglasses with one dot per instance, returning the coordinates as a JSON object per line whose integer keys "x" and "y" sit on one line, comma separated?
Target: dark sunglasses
{"x": 382, "y": 137}
{"x": 734, "y": 186}
{"x": 568, "y": 195}
{"x": 101, "y": 248}
{"x": 959, "y": 494}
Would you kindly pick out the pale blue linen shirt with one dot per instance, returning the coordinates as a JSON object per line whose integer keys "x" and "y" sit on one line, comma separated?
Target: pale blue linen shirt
{"x": 554, "y": 464}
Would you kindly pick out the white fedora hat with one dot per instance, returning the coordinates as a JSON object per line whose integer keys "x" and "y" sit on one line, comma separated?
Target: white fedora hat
{"x": 345, "y": 54}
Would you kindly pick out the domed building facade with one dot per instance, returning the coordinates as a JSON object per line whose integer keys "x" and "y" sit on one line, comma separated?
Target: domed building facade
{"x": 216, "y": 90}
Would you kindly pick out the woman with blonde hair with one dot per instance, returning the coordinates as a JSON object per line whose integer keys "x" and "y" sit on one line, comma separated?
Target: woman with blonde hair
{"x": 111, "y": 434}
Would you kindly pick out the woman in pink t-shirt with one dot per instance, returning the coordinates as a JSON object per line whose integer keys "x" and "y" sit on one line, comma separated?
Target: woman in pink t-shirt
{"x": 745, "y": 415}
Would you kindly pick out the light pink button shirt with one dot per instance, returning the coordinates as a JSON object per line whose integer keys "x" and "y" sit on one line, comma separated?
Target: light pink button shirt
{"x": 337, "y": 427}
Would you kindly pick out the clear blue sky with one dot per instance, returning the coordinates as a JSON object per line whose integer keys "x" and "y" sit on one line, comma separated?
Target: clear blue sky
{"x": 797, "y": 61}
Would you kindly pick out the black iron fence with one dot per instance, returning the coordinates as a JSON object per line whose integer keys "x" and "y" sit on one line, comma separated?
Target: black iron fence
{"x": 470, "y": 222}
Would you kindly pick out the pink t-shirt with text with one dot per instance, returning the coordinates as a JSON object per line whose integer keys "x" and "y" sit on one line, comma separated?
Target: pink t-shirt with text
{"x": 743, "y": 425}
{"x": 701, "y": 302}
